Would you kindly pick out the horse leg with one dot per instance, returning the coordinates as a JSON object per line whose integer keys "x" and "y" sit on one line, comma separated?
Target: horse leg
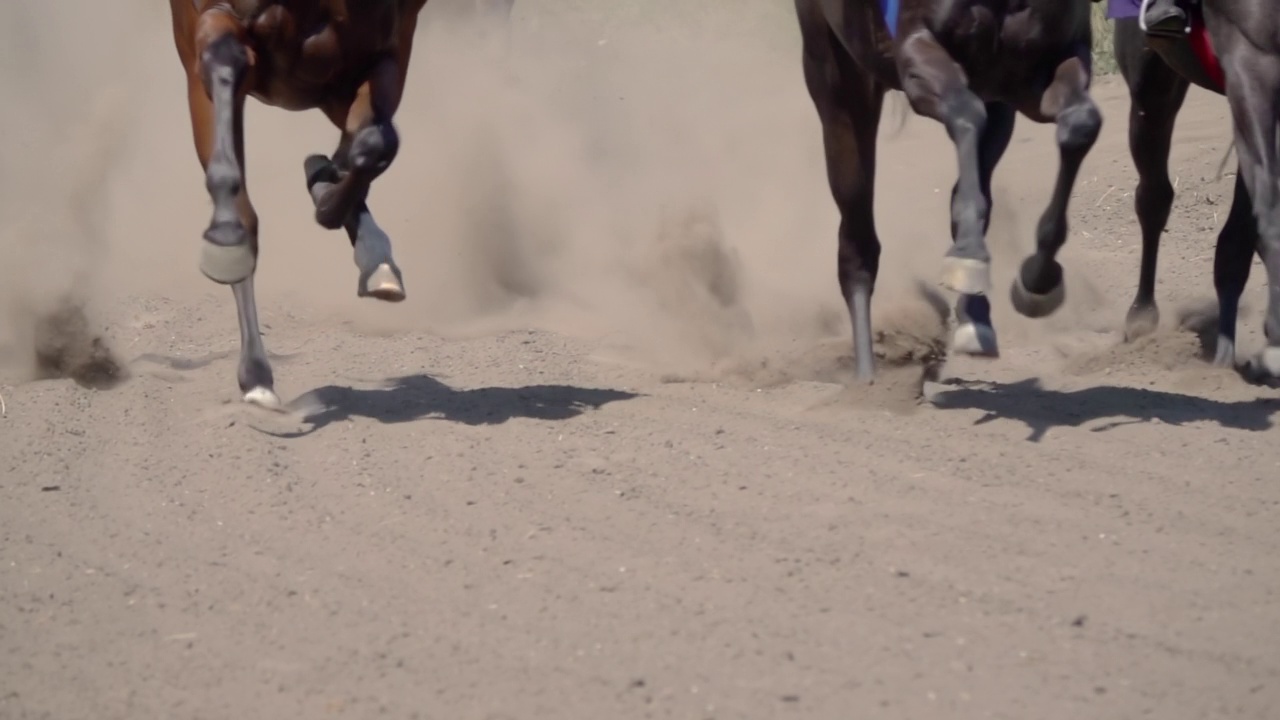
{"x": 1231, "y": 264}
{"x": 848, "y": 102}
{"x": 1253, "y": 80}
{"x": 1037, "y": 290}
{"x": 1156, "y": 94}
{"x": 936, "y": 87}
{"x": 216, "y": 90}
{"x": 340, "y": 186}
{"x": 975, "y": 334}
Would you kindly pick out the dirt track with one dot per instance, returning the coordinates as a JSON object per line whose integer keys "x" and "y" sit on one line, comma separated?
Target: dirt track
{"x": 600, "y": 464}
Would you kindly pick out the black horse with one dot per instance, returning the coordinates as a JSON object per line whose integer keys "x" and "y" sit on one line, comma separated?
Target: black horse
{"x": 1158, "y": 71}
{"x": 972, "y": 65}
{"x": 1246, "y": 36}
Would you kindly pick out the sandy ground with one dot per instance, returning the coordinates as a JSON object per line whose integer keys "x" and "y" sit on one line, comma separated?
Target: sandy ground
{"x": 601, "y": 464}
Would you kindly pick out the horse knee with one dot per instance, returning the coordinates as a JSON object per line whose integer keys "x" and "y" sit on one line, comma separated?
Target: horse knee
{"x": 223, "y": 62}
{"x": 1079, "y": 127}
{"x": 965, "y": 114}
{"x": 374, "y": 147}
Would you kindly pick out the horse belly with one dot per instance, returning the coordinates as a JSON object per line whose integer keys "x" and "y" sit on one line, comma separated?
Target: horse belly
{"x": 304, "y": 56}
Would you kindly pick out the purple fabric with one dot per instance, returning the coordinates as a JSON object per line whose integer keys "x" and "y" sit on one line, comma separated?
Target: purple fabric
{"x": 1123, "y": 9}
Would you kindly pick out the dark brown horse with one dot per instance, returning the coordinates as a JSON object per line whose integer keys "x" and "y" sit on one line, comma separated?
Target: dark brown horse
{"x": 347, "y": 58}
{"x": 972, "y": 65}
{"x": 1158, "y": 72}
{"x": 1246, "y": 38}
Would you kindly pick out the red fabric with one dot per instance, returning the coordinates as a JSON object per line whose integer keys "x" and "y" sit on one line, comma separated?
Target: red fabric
{"x": 1202, "y": 46}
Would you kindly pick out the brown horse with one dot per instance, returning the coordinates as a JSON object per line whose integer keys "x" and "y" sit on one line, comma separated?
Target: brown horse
{"x": 347, "y": 58}
{"x": 1158, "y": 72}
{"x": 1246, "y": 38}
{"x": 972, "y": 65}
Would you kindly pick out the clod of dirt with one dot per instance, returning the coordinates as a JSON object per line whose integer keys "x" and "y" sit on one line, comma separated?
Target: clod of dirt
{"x": 66, "y": 347}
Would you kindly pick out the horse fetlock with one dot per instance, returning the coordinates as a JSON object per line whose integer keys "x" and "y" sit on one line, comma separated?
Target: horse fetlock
{"x": 974, "y": 214}
{"x": 374, "y": 147}
{"x": 319, "y": 169}
{"x": 223, "y": 180}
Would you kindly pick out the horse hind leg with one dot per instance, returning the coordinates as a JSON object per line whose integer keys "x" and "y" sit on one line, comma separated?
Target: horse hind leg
{"x": 379, "y": 276}
{"x": 1156, "y": 94}
{"x": 1037, "y": 289}
{"x": 1253, "y": 82}
{"x": 216, "y": 93}
{"x": 1232, "y": 259}
{"x": 339, "y": 186}
{"x": 974, "y": 333}
{"x": 849, "y": 103}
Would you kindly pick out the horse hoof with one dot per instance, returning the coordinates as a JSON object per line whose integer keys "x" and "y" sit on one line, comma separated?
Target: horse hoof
{"x": 966, "y": 276}
{"x": 383, "y": 284}
{"x": 1141, "y": 321}
{"x": 1264, "y": 368}
{"x": 976, "y": 340}
{"x": 227, "y": 264}
{"x": 1224, "y": 355}
{"x": 263, "y": 397}
{"x": 1033, "y": 305}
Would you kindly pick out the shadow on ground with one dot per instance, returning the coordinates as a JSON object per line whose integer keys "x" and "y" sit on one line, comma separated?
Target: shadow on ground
{"x": 1041, "y": 409}
{"x": 420, "y": 397}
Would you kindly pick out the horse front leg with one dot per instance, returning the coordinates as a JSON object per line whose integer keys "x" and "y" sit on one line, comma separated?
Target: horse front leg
{"x": 1037, "y": 290}
{"x": 1232, "y": 261}
{"x": 974, "y": 333}
{"x": 936, "y": 87}
{"x": 218, "y": 79}
{"x": 849, "y": 103}
{"x": 340, "y": 185}
{"x": 1156, "y": 94}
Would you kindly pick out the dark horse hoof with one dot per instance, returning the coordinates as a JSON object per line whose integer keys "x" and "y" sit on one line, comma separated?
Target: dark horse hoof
{"x": 1141, "y": 321}
{"x": 227, "y": 256}
{"x": 1037, "y": 305}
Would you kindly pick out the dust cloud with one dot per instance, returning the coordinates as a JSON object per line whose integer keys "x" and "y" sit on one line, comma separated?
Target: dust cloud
{"x": 649, "y": 175}
{"x": 66, "y": 126}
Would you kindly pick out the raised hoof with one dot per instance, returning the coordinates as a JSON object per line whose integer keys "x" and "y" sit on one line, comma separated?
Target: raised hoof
{"x": 1263, "y": 368}
{"x": 976, "y": 340}
{"x": 383, "y": 283}
{"x": 966, "y": 276}
{"x": 1141, "y": 321}
{"x": 263, "y": 397}
{"x": 227, "y": 264}
{"x": 1032, "y": 305}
